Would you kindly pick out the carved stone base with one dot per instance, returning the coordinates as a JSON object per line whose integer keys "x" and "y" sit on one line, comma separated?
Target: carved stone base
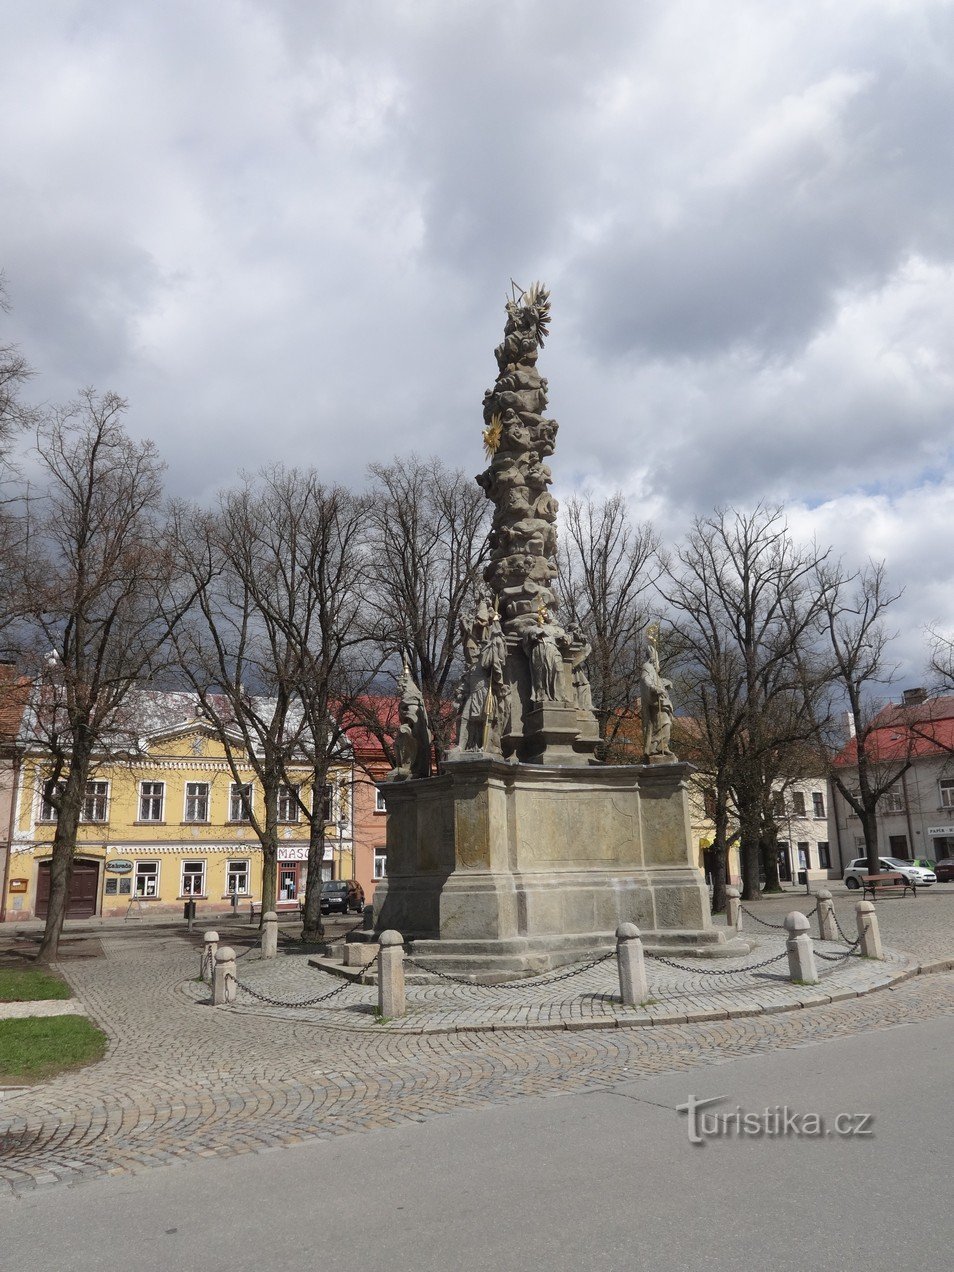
{"x": 514, "y": 867}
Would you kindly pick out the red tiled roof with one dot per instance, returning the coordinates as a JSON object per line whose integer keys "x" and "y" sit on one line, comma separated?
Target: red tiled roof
{"x": 906, "y": 732}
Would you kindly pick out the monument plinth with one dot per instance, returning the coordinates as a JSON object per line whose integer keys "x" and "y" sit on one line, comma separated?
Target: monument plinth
{"x": 524, "y": 852}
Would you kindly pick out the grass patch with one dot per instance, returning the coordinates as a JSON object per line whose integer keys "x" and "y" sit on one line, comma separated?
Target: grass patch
{"x": 39, "y": 1047}
{"x": 28, "y": 984}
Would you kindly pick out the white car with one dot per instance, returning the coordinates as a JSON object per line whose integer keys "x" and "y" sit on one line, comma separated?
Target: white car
{"x": 921, "y": 878}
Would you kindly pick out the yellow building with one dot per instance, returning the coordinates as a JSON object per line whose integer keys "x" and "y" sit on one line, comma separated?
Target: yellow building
{"x": 167, "y": 824}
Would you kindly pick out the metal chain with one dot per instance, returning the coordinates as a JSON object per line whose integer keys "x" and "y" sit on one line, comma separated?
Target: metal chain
{"x": 836, "y": 958}
{"x": 544, "y": 978}
{"x": 716, "y": 971}
{"x": 306, "y": 1002}
{"x": 779, "y": 927}
{"x": 841, "y": 930}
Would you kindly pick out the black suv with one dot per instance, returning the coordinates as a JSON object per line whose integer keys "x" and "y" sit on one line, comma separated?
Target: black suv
{"x": 342, "y": 895}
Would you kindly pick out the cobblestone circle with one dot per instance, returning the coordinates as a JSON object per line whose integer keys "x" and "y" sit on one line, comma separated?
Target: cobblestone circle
{"x": 182, "y": 1080}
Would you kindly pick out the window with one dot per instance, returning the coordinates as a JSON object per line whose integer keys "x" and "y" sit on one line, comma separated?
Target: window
{"x": 94, "y": 802}
{"x": 51, "y": 790}
{"x": 892, "y": 801}
{"x": 379, "y": 804}
{"x": 898, "y": 846}
{"x": 147, "y": 878}
{"x": 380, "y": 864}
{"x": 193, "y": 878}
{"x": 824, "y": 856}
{"x": 197, "y": 802}
{"x": 150, "y": 801}
{"x": 946, "y": 787}
{"x": 804, "y": 855}
{"x": 818, "y": 804}
{"x": 798, "y": 803}
{"x": 778, "y": 804}
{"x": 236, "y": 878}
{"x": 240, "y": 802}
{"x": 288, "y": 803}
{"x": 326, "y": 803}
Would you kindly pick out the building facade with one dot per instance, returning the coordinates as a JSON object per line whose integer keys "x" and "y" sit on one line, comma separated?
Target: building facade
{"x": 167, "y": 823}
{"x": 911, "y": 746}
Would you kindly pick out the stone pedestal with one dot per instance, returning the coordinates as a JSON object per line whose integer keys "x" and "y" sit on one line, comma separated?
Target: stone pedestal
{"x": 498, "y": 868}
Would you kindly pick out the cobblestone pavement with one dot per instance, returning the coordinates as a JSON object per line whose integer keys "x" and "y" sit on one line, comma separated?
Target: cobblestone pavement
{"x": 182, "y": 1080}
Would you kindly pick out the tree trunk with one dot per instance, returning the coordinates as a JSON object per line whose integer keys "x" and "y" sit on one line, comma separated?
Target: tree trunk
{"x": 769, "y": 855}
{"x": 870, "y": 828}
{"x": 720, "y": 868}
{"x": 749, "y": 852}
{"x": 61, "y": 865}
{"x": 313, "y": 929}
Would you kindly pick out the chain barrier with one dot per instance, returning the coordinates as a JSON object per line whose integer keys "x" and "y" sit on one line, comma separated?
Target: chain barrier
{"x": 779, "y": 927}
{"x": 531, "y": 982}
{"x": 837, "y": 958}
{"x": 841, "y": 930}
{"x": 717, "y": 971}
{"x": 305, "y": 1002}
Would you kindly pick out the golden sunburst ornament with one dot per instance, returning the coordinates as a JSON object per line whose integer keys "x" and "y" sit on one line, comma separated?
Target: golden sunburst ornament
{"x": 542, "y": 614}
{"x": 492, "y": 435}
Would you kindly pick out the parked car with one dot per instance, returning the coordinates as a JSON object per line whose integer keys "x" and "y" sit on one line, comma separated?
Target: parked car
{"x": 342, "y": 895}
{"x": 856, "y": 869}
{"x": 944, "y": 869}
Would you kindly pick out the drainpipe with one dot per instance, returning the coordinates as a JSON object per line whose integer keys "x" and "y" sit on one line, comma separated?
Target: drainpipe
{"x": 11, "y": 827}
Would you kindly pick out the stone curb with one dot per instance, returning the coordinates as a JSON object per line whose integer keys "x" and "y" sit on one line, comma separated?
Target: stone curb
{"x": 642, "y": 1020}
{"x": 42, "y": 1007}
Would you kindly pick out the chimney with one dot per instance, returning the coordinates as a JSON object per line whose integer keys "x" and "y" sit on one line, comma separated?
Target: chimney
{"x": 913, "y": 697}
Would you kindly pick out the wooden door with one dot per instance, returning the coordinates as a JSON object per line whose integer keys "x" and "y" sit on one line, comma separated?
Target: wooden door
{"x": 84, "y": 890}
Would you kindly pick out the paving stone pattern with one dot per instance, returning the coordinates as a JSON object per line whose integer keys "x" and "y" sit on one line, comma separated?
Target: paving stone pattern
{"x": 182, "y": 1079}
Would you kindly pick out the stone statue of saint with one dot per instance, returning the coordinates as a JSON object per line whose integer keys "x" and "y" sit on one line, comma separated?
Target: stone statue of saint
{"x": 412, "y": 742}
{"x": 482, "y": 699}
{"x": 546, "y": 661}
{"x": 655, "y": 703}
{"x": 578, "y": 652}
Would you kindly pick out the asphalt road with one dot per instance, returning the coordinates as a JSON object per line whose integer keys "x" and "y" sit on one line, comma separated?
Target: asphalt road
{"x": 607, "y": 1180}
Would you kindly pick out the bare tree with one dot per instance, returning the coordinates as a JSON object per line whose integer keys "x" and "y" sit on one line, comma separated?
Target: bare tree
{"x": 853, "y": 608}
{"x": 428, "y": 528}
{"x": 740, "y": 592}
{"x": 269, "y": 645}
{"x": 607, "y": 563}
{"x": 91, "y": 622}
{"x": 15, "y": 371}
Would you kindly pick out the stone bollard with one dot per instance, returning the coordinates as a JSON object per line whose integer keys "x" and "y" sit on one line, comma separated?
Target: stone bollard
{"x": 223, "y": 980}
{"x": 868, "y": 930}
{"x": 801, "y": 956}
{"x": 826, "y": 916}
{"x": 633, "y": 987}
{"x": 733, "y": 909}
{"x": 391, "y": 1002}
{"x": 270, "y": 935}
{"x": 211, "y": 944}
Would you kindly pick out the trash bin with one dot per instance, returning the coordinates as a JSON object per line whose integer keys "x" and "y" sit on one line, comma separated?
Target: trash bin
{"x": 803, "y": 877}
{"x": 188, "y": 910}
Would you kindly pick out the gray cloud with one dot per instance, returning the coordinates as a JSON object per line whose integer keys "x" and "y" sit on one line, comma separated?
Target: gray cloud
{"x": 285, "y": 231}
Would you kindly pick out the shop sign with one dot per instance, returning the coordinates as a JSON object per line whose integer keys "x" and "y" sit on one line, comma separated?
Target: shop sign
{"x": 941, "y": 830}
{"x": 296, "y": 852}
{"x": 119, "y": 867}
{"x": 18, "y": 885}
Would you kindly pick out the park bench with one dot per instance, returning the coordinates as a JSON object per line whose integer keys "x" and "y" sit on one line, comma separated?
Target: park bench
{"x": 890, "y": 881}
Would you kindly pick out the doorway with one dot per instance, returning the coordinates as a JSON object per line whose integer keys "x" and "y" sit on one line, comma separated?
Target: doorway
{"x": 84, "y": 890}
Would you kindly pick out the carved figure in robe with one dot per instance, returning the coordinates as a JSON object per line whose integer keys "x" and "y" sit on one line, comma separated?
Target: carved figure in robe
{"x": 655, "y": 703}
{"x": 412, "y": 742}
{"x": 482, "y": 698}
{"x": 546, "y": 661}
{"x": 578, "y": 652}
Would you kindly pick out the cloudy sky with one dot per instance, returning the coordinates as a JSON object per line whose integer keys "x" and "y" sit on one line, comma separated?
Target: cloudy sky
{"x": 285, "y": 230}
